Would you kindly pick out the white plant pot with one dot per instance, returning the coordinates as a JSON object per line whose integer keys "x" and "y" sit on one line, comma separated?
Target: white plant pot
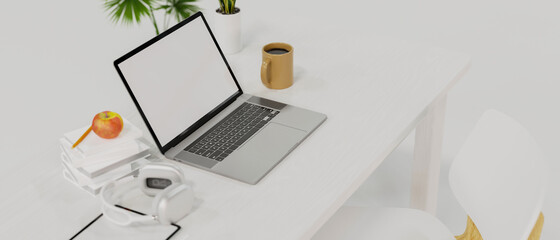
{"x": 227, "y": 29}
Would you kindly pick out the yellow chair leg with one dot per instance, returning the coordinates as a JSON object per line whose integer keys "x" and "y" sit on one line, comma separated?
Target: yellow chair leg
{"x": 537, "y": 229}
{"x": 472, "y": 233}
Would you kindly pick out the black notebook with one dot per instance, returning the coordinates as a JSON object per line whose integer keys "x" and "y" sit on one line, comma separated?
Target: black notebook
{"x": 102, "y": 228}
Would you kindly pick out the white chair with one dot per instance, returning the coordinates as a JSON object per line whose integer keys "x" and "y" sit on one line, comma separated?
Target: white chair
{"x": 498, "y": 177}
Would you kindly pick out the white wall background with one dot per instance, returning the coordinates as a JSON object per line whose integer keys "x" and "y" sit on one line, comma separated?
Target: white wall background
{"x": 58, "y": 46}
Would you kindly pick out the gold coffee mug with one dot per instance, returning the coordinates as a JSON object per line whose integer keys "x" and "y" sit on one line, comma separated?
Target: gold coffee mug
{"x": 277, "y": 70}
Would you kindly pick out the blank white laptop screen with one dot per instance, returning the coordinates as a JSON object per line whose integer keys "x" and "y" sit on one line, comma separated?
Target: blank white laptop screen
{"x": 178, "y": 79}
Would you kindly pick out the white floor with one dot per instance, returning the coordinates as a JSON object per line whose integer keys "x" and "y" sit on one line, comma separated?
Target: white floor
{"x": 515, "y": 48}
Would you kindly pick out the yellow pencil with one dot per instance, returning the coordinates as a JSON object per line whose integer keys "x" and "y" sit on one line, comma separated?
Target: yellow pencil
{"x": 82, "y": 137}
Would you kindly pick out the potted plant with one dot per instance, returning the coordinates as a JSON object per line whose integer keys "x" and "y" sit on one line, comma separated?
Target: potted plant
{"x": 130, "y": 11}
{"x": 227, "y": 26}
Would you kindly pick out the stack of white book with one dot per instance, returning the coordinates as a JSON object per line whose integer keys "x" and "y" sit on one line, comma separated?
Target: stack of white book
{"x": 97, "y": 161}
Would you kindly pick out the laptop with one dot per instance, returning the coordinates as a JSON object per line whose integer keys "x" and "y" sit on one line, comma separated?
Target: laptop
{"x": 196, "y": 111}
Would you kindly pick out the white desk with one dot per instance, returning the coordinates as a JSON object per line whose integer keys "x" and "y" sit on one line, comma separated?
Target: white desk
{"x": 375, "y": 90}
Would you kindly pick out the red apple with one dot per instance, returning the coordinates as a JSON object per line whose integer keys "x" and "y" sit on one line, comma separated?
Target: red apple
{"x": 107, "y": 124}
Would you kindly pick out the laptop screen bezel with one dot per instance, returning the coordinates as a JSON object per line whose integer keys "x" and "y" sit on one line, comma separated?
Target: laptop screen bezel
{"x": 202, "y": 120}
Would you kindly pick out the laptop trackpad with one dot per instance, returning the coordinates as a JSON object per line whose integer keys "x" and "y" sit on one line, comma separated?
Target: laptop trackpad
{"x": 261, "y": 153}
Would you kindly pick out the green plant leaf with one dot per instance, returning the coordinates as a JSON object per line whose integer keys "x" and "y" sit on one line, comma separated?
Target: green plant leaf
{"x": 222, "y": 8}
{"x": 227, "y": 6}
{"x": 128, "y": 11}
{"x": 133, "y": 11}
{"x": 162, "y": 7}
{"x": 181, "y": 9}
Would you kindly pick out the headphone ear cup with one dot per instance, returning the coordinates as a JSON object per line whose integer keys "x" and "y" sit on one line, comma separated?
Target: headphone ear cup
{"x": 173, "y": 203}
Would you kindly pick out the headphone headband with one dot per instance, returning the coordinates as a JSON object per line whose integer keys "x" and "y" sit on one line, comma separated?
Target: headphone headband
{"x": 171, "y": 203}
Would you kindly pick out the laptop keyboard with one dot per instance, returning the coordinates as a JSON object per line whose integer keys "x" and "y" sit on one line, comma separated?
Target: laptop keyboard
{"x": 226, "y": 136}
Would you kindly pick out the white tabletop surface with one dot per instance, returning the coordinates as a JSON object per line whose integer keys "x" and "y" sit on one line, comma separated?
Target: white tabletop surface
{"x": 374, "y": 89}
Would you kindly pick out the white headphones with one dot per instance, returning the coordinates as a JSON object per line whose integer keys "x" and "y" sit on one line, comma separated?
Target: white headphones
{"x": 173, "y": 198}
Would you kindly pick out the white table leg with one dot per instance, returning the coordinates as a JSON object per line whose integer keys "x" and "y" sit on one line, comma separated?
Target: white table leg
{"x": 427, "y": 157}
